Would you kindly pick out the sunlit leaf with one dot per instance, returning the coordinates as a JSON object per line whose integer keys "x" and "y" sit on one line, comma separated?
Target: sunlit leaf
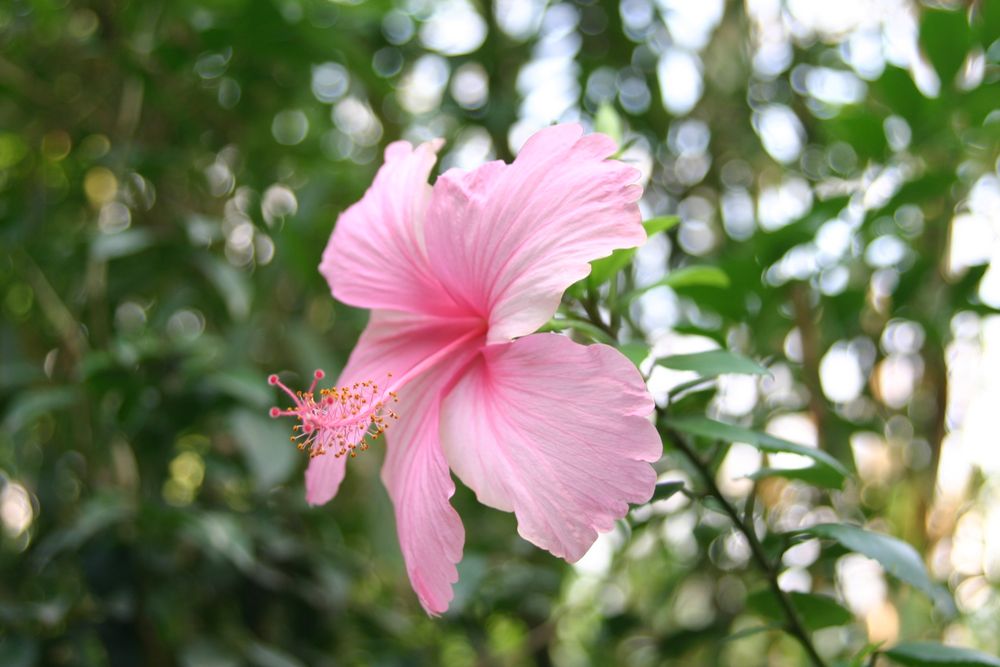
{"x": 816, "y": 611}
{"x": 607, "y": 121}
{"x": 816, "y": 475}
{"x": 720, "y": 431}
{"x": 660, "y": 224}
{"x": 712, "y": 363}
{"x": 897, "y": 557}
{"x": 931, "y": 654}
{"x": 688, "y": 276}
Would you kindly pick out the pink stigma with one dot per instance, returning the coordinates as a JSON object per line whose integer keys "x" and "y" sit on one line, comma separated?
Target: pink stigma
{"x": 340, "y": 419}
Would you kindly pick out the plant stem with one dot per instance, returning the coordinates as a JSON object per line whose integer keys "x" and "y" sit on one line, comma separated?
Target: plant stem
{"x": 794, "y": 625}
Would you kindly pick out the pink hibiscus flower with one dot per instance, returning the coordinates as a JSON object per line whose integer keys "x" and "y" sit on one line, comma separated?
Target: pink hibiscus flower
{"x": 458, "y": 278}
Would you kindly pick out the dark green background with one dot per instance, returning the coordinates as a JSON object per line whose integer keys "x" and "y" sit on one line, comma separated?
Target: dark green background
{"x": 145, "y": 296}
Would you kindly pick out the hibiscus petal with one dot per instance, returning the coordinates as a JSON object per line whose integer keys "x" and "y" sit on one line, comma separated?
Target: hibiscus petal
{"x": 376, "y": 257}
{"x": 393, "y": 343}
{"x": 556, "y": 432}
{"x": 420, "y": 485}
{"x": 507, "y": 240}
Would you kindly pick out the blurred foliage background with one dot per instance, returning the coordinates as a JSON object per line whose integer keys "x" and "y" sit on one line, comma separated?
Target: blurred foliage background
{"x": 170, "y": 172}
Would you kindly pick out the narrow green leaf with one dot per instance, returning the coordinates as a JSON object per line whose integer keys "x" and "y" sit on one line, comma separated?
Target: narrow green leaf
{"x": 604, "y": 269}
{"x": 664, "y": 490}
{"x": 707, "y": 428}
{"x": 708, "y": 276}
{"x": 607, "y": 121}
{"x": 563, "y": 323}
{"x": 660, "y": 224}
{"x": 689, "y": 276}
{"x": 816, "y": 475}
{"x": 749, "y": 632}
{"x": 897, "y": 557}
{"x": 712, "y": 363}
{"x": 816, "y": 611}
{"x": 931, "y": 654}
{"x": 861, "y": 658}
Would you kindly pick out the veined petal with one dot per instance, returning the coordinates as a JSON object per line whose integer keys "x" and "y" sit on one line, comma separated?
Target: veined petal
{"x": 393, "y": 342}
{"x": 376, "y": 256}
{"x": 507, "y": 240}
{"x": 556, "y": 432}
{"x": 416, "y": 475}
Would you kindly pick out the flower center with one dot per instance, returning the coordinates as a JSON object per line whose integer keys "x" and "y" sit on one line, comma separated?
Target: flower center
{"x": 340, "y": 419}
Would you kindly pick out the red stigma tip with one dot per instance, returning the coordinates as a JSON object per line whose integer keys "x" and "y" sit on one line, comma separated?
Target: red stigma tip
{"x": 272, "y": 379}
{"x": 319, "y": 374}
{"x": 275, "y": 413}
{"x": 307, "y": 428}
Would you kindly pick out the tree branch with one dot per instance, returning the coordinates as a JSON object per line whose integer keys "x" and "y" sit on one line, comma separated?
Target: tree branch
{"x": 793, "y": 623}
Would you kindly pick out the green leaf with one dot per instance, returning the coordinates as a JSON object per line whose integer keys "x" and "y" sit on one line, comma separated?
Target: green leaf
{"x": 607, "y": 121}
{"x": 931, "y": 654}
{"x": 635, "y": 352}
{"x": 816, "y": 475}
{"x": 755, "y": 630}
{"x": 689, "y": 276}
{"x": 946, "y": 38}
{"x": 712, "y": 363}
{"x": 817, "y": 611}
{"x": 602, "y": 270}
{"x": 660, "y": 224}
{"x": 897, "y": 557}
{"x": 713, "y": 430}
{"x": 588, "y": 328}
{"x": 862, "y": 657}
{"x": 664, "y": 490}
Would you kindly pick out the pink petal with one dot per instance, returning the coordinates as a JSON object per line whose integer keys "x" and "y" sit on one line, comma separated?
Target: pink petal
{"x": 417, "y": 478}
{"x": 392, "y": 343}
{"x": 507, "y": 240}
{"x": 556, "y": 432}
{"x": 323, "y": 477}
{"x": 375, "y": 257}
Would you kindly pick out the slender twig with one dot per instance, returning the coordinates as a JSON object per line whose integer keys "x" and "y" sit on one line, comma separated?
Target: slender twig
{"x": 793, "y": 625}
{"x": 594, "y": 315}
{"x": 616, "y": 318}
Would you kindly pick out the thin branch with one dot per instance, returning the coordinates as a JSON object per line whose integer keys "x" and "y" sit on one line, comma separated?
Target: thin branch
{"x": 794, "y": 625}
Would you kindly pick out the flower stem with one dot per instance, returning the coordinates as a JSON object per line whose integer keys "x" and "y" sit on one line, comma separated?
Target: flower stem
{"x": 793, "y": 623}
